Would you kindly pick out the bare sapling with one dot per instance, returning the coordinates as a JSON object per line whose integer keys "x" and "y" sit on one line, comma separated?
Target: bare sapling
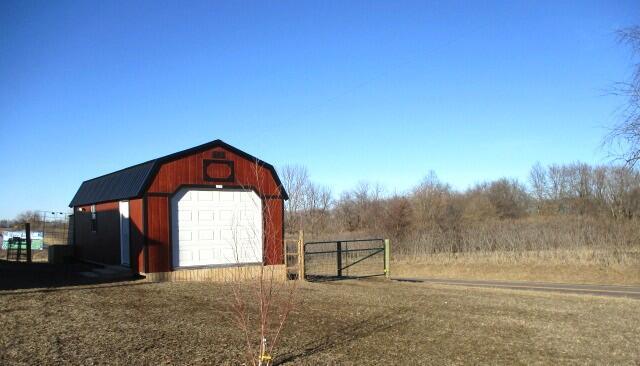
{"x": 262, "y": 297}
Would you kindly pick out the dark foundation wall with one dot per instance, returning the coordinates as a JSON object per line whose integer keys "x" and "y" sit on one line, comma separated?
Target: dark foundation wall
{"x": 103, "y": 245}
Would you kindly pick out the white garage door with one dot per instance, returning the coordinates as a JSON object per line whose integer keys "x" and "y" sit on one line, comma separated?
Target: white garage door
{"x": 216, "y": 227}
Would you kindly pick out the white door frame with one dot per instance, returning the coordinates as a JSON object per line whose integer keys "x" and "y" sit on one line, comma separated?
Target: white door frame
{"x": 125, "y": 253}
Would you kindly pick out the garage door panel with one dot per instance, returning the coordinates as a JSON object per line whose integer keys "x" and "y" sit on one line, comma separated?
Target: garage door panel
{"x": 205, "y": 196}
{"x": 216, "y": 227}
{"x": 205, "y": 216}
{"x": 186, "y": 255}
{"x": 206, "y": 254}
{"x": 226, "y": 216}
{"x": 184, "y": 216}
{"x": 226, "y": 234}
{"x": 184, "y": 235}
{"x": 226, "y": 197}
{"x": 205, "y": 235}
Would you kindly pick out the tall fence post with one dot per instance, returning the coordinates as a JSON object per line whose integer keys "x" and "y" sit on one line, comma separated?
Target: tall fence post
{"x": 301, "y": 256}
{"x": 339, "y": 257}
{"x": 27, "y": 230}
{"x": 19, "y": 249}
{"x": 285, "y": 253}
{"x": 387, "y": 258}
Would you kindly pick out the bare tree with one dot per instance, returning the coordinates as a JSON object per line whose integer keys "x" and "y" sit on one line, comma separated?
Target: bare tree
{"x": 33, "y": 217}
{"x": 316, "y": 208}
{"x": 431, "y": 199}
{"x": 509, "y": 198}
{"x": 295, "y": 180}
{"x": 362, "y": 207}
{"x": 624, "y": 138}
{"x": 262, "y": 301}
{"x": 538, "y": 181}
{"x": 397, "y": 222}
{"x": 309, "y": 204}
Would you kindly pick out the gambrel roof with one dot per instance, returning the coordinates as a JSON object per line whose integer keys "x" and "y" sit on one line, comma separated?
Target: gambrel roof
{"x": 133, "y": 181}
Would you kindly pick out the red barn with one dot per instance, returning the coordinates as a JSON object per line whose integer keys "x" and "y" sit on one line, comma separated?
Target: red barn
{"x": 209, "y": 206}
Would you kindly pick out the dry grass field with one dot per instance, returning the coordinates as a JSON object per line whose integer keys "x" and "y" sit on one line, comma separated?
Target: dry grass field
{"x": 557, "y": 266}
{"x": 577, "y": 273}
{"x": 564, "y": 249}
{"x": 569, "y": 266}
{"x": 339, "y": 323}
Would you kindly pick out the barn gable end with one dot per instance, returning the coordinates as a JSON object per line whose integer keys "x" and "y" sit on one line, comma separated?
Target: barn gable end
{"x": 212, "y": 166}
{"x": 133, "y": 181}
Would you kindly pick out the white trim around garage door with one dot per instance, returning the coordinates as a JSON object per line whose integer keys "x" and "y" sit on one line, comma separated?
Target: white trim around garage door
{"x": 216, "y": 227}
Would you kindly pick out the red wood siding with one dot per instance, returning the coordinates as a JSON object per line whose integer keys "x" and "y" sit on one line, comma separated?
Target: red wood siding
{"x": 136, "y": 234}
{"x": 103, "y": 245}
{"x": 189, "y": 171}
{"x": 273, "y": 233}
{"x": 158, "y": 249}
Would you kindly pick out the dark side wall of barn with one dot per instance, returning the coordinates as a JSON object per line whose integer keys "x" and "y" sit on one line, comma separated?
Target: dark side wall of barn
{"x": 102, "y": 245}
{"x": 189, "y": 171}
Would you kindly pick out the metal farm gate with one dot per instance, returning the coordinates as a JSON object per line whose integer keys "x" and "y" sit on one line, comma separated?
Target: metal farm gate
{"x": 341, "y": 259}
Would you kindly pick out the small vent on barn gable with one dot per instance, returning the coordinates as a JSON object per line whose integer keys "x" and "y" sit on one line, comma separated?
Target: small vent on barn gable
{"x": 218, "y": 155}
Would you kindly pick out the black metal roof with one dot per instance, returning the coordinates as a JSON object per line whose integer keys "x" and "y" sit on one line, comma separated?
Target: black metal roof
{"x": 133, "y": 181}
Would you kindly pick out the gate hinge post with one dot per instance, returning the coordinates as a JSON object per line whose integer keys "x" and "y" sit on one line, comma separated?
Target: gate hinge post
{"x": 301, "y": 274}
{"x": 339, "y": 258}
{"x": 387, "y": 258}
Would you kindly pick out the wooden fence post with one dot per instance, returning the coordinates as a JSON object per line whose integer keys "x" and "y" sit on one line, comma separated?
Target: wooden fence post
{"x": 387, "y": 258}
{"x": 339, "y": 258}
{"x": 301, "y": 256}
{"x": 19, "y": 249}
{"x": 27, "y": 229}
{"x": 285, "y": 252}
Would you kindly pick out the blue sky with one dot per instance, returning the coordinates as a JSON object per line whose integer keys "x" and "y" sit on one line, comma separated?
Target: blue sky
{"x": 376, "y": 91}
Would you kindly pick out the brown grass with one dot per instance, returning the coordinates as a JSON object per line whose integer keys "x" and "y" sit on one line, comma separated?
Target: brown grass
{"x": 569, "y": 266}
{"x": 346, "y": 323}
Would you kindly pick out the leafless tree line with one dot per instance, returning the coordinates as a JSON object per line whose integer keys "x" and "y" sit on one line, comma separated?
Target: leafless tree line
{"x": 309, "y": 204}
{"x": 582, "y": 189}
{"x": 562, "y": 206}
{"x": 34, "y": 217}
